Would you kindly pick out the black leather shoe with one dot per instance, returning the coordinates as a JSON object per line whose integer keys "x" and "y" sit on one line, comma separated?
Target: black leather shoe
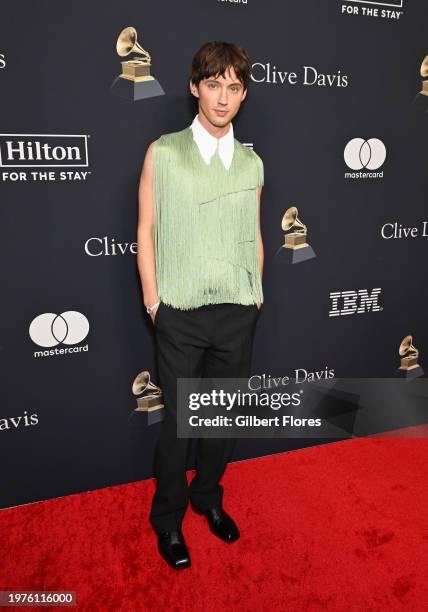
{"x": 222, "y": 525}
{"x": 172, "y": 547}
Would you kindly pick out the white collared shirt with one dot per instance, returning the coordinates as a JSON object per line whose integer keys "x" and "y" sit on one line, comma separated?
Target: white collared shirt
{"x": 208, "y": 144}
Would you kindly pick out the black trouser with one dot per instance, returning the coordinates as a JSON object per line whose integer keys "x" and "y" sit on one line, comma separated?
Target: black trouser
{"x": 215, "y": 341}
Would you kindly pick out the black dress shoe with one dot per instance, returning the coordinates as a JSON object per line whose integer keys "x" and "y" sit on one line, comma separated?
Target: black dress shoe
{"x": 222, "y": 525}
{"x": 172, "y": 547}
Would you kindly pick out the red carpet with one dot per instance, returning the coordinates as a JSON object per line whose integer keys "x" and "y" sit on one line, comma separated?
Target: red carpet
{"x": 343, "y": 526}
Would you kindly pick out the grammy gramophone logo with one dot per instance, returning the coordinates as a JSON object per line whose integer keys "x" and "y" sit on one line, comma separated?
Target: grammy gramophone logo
{"x": 409, "y": 366}
{"x": 295, "y": 248}
{"x": 149, "y": 398}
{"x": 135, "y": 82}
{"x": 421, "y": 99}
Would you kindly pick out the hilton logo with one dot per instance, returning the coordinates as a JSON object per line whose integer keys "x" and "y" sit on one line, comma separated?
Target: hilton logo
{"x": 387, "y": 9}
{"x": 35, "y": 151}
{"x": 354, "y": 302}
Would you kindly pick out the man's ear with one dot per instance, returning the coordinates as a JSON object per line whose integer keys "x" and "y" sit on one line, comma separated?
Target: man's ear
{"x": 193, "y": 89}
{"x": 244, "y": 95}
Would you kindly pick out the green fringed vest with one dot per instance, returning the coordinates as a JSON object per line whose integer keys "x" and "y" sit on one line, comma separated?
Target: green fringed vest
{"x": 206, "y": 224}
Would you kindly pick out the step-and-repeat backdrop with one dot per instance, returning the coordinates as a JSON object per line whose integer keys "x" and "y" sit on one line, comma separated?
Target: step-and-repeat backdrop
{"x": 337, "y": 109}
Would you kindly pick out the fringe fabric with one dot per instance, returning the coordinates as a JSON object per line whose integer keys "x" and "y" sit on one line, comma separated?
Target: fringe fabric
{"x": 206, "y": 224}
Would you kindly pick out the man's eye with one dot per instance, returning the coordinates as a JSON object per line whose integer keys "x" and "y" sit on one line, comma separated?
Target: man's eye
{"x": 213, "y": 85}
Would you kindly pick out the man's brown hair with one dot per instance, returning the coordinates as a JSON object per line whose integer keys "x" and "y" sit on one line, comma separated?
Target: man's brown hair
{"x": 214, "y": 58}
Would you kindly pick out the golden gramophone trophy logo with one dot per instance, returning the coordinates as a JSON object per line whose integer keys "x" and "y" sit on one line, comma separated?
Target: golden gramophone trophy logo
{"x": 295, "y": 248}
{"x": 421, "y": 100}
{"x": 149, "y": 401}
{"x": 135, "y": 82}
{"x": 409, "y": 366}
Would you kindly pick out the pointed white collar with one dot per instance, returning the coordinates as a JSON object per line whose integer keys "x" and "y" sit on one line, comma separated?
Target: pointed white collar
{"x": 208, "y": 144}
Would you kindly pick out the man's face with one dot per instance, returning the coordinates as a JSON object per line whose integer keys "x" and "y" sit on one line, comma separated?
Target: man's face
{"x": 220, "y": 97}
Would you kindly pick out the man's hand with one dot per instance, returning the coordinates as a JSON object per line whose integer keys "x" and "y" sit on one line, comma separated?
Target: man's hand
{"x": 153, "y": 314}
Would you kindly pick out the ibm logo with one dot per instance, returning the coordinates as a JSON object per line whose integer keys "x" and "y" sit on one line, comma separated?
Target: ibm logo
{"x": 351, "y": 302}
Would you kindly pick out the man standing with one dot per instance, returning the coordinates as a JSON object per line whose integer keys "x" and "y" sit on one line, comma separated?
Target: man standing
{"x": 200, "y": 258}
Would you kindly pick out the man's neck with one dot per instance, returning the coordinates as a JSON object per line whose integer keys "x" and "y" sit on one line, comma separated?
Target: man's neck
{"x": 217, "y": 132}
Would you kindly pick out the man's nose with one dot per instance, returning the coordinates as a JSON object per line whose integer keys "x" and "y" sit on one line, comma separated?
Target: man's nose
{"x": 223, "y": 96}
